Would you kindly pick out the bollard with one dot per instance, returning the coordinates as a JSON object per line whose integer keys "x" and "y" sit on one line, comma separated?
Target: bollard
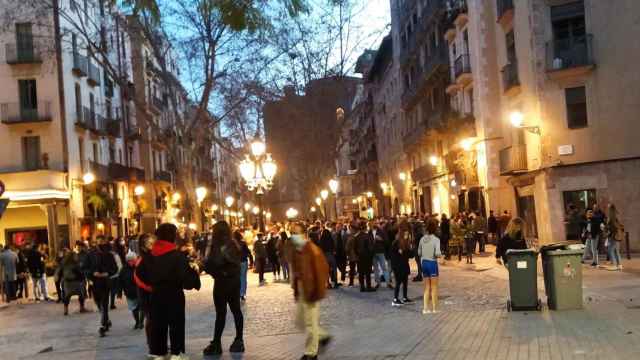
{"x": 626, "y": 242}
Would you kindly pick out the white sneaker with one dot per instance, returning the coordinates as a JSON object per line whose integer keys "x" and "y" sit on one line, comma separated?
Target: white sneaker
{"x": 156, "y": 357}
{"x": 179, "y": 357}
{"x": 425, "y": 312}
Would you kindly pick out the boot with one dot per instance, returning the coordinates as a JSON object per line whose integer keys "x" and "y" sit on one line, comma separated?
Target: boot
{"x": 66, "y": 309}
{"x": 237, "y": 346}
{"x": 214, "y": 348}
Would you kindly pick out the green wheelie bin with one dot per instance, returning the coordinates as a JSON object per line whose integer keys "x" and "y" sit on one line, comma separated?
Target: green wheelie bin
{"x": 523, "y": 280}
{"x": 562, "y": 270}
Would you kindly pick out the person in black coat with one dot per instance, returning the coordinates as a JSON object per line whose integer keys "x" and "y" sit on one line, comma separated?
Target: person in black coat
{"x": 128, "y": 286}
{"x": 103, "y": 267}
{"x": 328, "y": 246}
{"x": 512, "y": 239}
{"x": 445, "y": 235}
{"x": 364, "y": 252}
{"x": 492, "y": 226}
{"x": 223, "y": 264}
{"x": 341, "y": 251}
{"x": 166, "y": 274}
{"x": 400, "y": 254}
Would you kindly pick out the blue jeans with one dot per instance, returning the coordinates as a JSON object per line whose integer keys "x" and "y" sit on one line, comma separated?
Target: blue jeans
{"x": 614, "y": 252}
{"x": 591, "y": 247}
{"x": 380, "y": 267}
{"x": 244, "y": 266}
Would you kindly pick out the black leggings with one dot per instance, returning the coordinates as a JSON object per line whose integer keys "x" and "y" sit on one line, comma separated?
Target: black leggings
{"x": 227, "y": 291}
{"x": 401, "y": 281}
{"x": 275, "y": 264}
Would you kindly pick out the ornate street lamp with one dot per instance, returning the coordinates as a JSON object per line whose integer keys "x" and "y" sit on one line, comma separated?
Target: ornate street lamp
{"x": 258, "y": 170}
{"x": 324, "y": 194}
{"x": 292, "y": 213}
{"x": 138, "y": 191}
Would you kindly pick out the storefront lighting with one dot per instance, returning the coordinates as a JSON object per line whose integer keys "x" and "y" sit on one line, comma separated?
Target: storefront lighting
{"x": 247, "y": 206}
{"x": 467, "y": 144}
{"x": 176, "y": 197}
{"x": 36, "y": 195}
{"x": 369, "y": 194}
{"x": 193, "y": 226}
{"x": 516, "y": 118}
{"x": 214, "y": 208}
{"x": 454, "y": 183}
{"x": 313, "y": 209}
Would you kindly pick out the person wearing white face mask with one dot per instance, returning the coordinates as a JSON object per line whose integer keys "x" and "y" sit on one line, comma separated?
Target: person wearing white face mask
{"x": 309, "y": 273}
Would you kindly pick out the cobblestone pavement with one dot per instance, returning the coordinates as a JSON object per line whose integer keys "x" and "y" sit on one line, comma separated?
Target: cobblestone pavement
{"x": 473, "y": 324}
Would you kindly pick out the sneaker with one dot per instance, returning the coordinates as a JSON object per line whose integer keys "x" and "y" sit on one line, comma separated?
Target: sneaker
{"x": 156, "y": 357}
{"x": 179, "y": 357}
{"x": 593, "y": 265}
{"x": 243, "y": 298}
{"x": 425, "y": 312}
{"x": 237, "y": 346}
{"x": 396, "y": 303}
{"x": 214, "y": 348}
{"x": 324, "y": 342}
{"x": 309, "y": 357}
{"x": 407, "y": 301}
{"x": 102, "y": 331}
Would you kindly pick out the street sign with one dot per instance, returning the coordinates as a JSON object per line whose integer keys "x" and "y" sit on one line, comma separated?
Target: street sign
{"x": 1, "y": 188}
{"x": 3, "y": 206}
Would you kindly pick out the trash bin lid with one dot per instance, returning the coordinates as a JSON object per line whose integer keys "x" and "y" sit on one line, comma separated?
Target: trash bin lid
{"x": 563, "y": 252}
{"x": 554, "y": 246}
{"x": 522, "y": 252}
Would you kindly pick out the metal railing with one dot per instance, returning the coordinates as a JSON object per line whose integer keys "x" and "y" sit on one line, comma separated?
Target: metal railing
{"x": 80, "y": 64}
{"x": 504, "y": 6}
{"x": 567, "y": 53}
{"x": 16, "y": 113}
{"x": 86, "y": 119}
{"x": 513, "y": 159}
{"x": 23, "y": 52}
{"x": 462, "y": 65}
{"x": 94, "y": 75}
{"x": 510, "y": 76}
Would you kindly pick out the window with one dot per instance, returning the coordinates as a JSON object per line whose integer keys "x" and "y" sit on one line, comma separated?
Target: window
{"x": 78, "y": 95}
{"x": 31, "y": 152}
{"x": 576, "y": 107}
{"x": 511, "y": 47}
{"x": 112, "y": 153}
{"x": 24, "y": 40}
{"x": 92, "y": 107}
{"x": 81, "y": 148}
{"x": 28, "y": 99}
{"x": 95, "y": 152}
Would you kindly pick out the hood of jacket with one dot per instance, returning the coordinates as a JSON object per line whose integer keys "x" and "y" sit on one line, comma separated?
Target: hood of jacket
{"x": 161, "y": 247}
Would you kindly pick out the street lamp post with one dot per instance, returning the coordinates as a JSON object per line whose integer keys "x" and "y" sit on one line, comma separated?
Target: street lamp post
{"x": 258, "y": 170}
{"x": 333, "y": 185}
{"x": 324, "y": 194}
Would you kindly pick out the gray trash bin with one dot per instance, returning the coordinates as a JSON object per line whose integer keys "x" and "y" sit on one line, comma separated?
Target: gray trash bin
{"x": 562, "y": 268}
{"x": 523, "y": 280}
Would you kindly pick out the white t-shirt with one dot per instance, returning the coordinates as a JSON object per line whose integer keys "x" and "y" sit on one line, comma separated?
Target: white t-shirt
{"x": 429, "y": 248}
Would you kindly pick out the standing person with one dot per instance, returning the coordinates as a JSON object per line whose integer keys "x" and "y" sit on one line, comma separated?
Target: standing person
{"x": 470, "y": 238}
{"x": 22, "y": 274}
{"x": 283, "y": 243}
{"x": 429, "y": 252}
{"x": 145, "y": 245}
{"x": 400, "y": 253}
{"x": 9, "y": 264}
{"x": 379, "y": 256}
{"x": 103, "y": 267}
{"x": 272, "y": 253}
{"x": 417, "y": 232}
{"x": 309, "y": 271}
{"x": 35, "y": 263}
{"x": 223, "y": 264}
{"x": 445, "y": 235}
{"x": 480, "y": 229}
{"x": 599, "y": 220}
{"x": 57, "y": 279}
{"x": 364, "y": 251}
{"x": 341, "y": 251}
{"x": 245, "y": 259}
{"x": 591, "y": 234}
{"x": 492, "y": 227}
{"x": 616, "y": 235}
{"x": 513, "y": 238}
{"x": 72, "y": 278}
{"x": 165, "y": 274}
{"x": 352, "y": 253}
{"x": 503, "y": 222}
{"x": 260, "y": 253}
{"x": 128, "y": 286}
{"x": 328, "y": 247}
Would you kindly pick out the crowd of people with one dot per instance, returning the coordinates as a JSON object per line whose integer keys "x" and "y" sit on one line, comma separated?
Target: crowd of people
{"x": 152, "y": 270}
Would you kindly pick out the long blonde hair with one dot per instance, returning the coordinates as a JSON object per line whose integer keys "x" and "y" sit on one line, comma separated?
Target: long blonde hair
{"x": 515, "y": 225}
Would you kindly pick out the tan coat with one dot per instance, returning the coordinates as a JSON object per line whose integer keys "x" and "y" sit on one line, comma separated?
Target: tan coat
{"x": 310, "y": 272}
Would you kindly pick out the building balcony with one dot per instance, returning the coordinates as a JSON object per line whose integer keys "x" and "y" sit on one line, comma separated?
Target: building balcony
{"x": 510, "y": 78}
{"x": 23, "y": 52}
{"x": 505, "y": 11}
{"x": 85, "y": 118}
{"x": 100, "y": 171}
{"x": 436, "y": 63}
{"x": 35, "y": 185}
{"x": 133, "y": 133}
{"x": 458, "y": 12}
{"x": 17, "y": 113}
{"x": 80, "y": 65}
{"x": 415, "y": 137}
{"x": 427, "y": 172}
{"x": 462, "y": 69}
{"x": 513, "y": 160}
{"x": 570, "y": 57}
{"x": 156, "y": 105}
{"x": 112, "y": 127}
{"x": 162, "y": 176}
{"x": 94, "y": 75}
{"x": 119, "y": 172}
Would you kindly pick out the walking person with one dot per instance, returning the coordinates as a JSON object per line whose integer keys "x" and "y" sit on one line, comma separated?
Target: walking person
{"x": 103, "y": 267}
{"x": 166, "y": 274}
{"x": 429, "y": 252}
{"x": 480, "y": 229}
{"x": 260, "y": 253}
{"x": 223, "y": 264}
{"x": 400, "y": 253}
{"x": 126, "y": 282}
{"x": 57, "y": 279}
{"x": 513, "y": 238}
{"x": 364, "y": 252}
{"x": 309, "y": 271}
{"x": 616, "y": 235}
{"x": 245, "y": 259}
{"x": 72, "y": 280}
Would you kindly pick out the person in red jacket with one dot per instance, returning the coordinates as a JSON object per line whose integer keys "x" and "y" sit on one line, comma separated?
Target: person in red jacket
{"x": 165, "y": 276}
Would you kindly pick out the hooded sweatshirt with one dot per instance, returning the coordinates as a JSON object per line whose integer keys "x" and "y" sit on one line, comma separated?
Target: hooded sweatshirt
{"x": 166, "y": 272}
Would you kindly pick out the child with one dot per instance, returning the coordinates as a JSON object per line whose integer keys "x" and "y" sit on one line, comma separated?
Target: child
{"x": 129, "y": 287}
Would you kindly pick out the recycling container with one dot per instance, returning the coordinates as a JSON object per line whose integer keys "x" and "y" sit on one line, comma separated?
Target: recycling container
{"x": 523, "y": 280}
{"x": 562, "y": 268}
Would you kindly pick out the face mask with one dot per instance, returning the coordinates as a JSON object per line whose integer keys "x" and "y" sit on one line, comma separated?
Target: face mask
{"x": 297, "y": 240}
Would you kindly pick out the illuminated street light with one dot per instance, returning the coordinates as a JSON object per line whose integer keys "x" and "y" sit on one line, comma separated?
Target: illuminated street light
{"x": 369, "y": 194}
{"x": 256, "y": 210}
{"x": 229, "y": 200}
{"x": 258, "y": 148}
{"x": 292, "y": 213}
{"x": 247, "y": 206}
{"x": 433, "y": 160}
{"x": 88, "y": 178}
{"x": 516, "y": 118}
{"x": 313, "y": 209}
{"x": 214, "y": 208}
{"x": 333, "y": 185}
{"x": 354, "y": 201}
{"x": 324, "y": 194}
{"x": 138, "y": 190}
{"x": 201, "y": 193}
{"x": 467, "y": 144}
{"x": 454, "y": 183}
{"x": 318, "y": 201}
{"x": 402, "y": 176}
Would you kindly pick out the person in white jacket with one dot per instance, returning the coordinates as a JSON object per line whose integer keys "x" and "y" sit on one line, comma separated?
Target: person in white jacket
{"x": 429, "y": 252}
